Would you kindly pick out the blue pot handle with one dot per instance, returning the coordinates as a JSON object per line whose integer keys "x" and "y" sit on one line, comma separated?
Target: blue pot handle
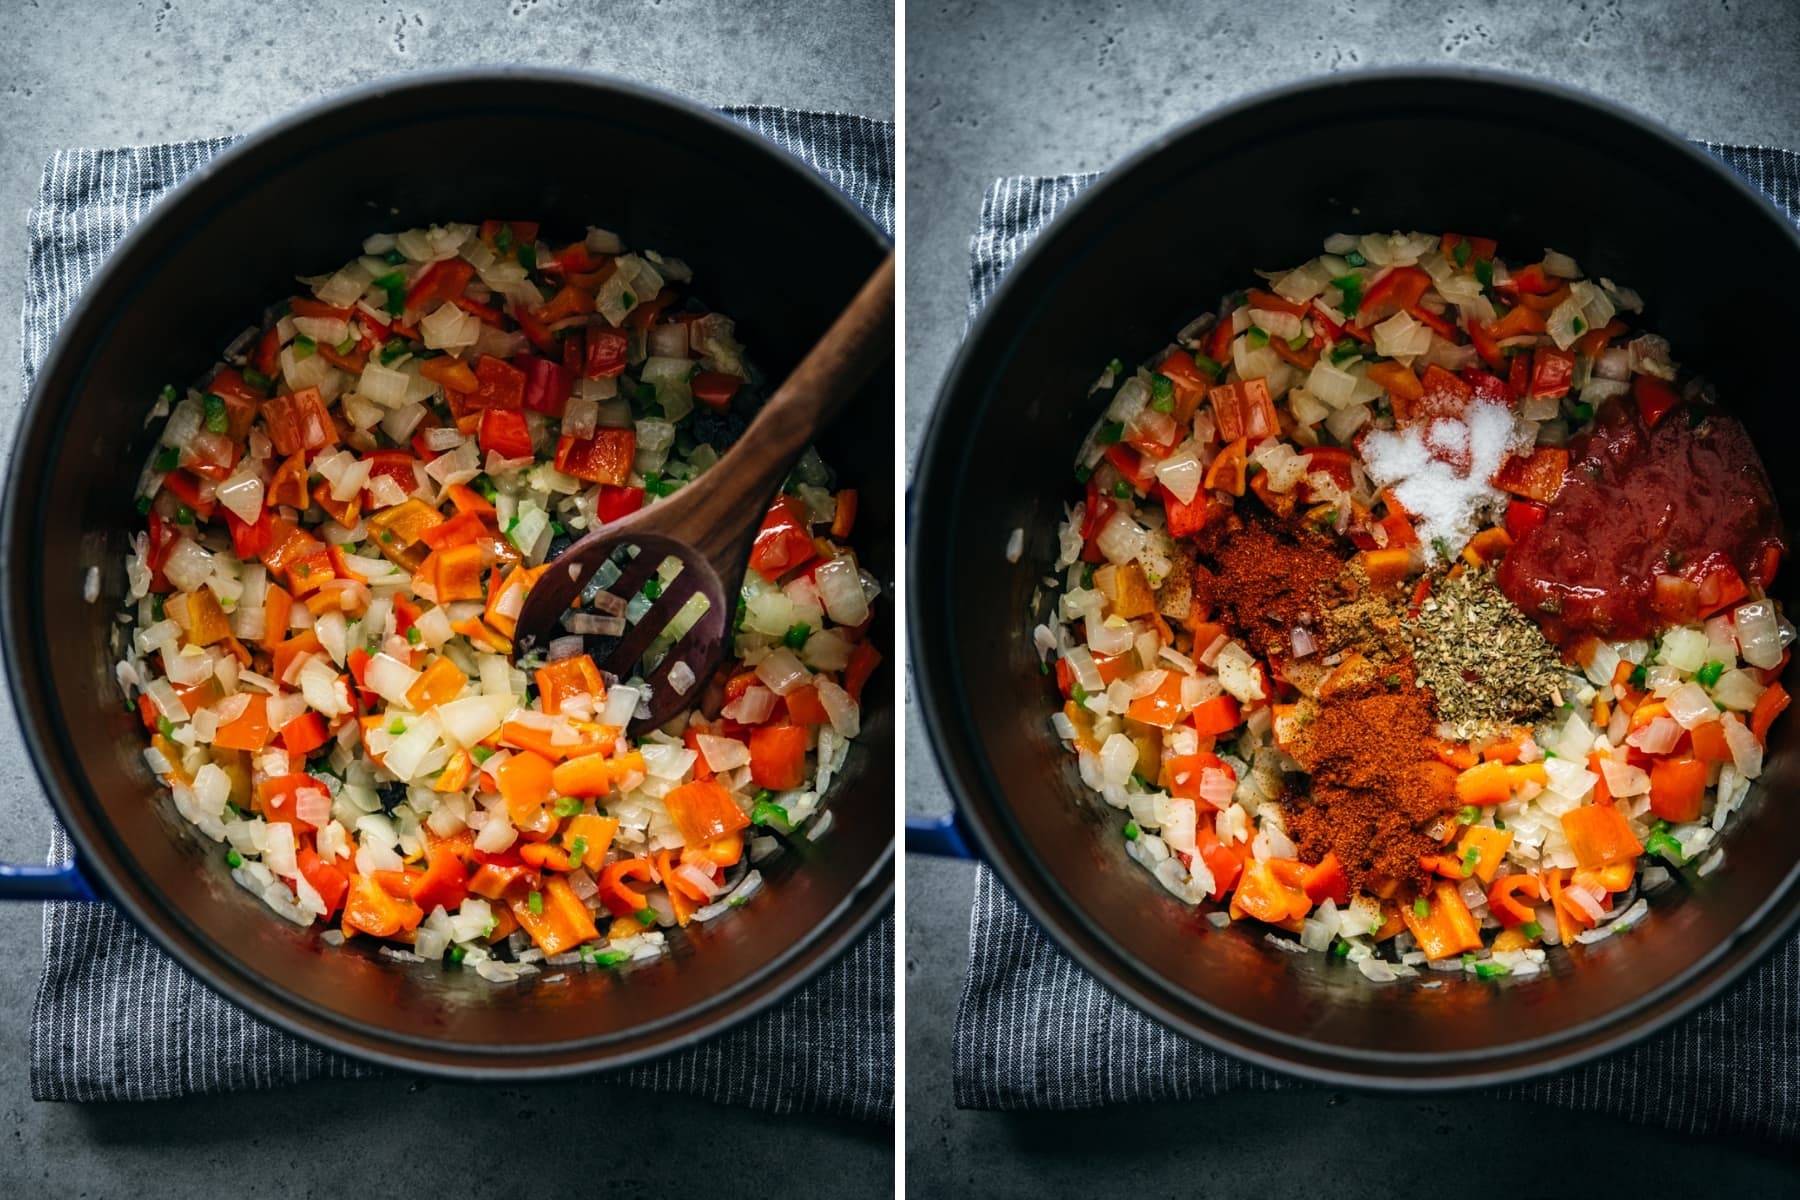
{"x": 61, "y": 882}
{"x": 943, "y": 836}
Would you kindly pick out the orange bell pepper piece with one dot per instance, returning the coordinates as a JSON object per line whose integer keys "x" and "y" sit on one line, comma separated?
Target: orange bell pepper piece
{"x": 370, "y": 909}
{"x": 1709, "y": 742}
{"x": 445, "y": 880}
{"x": 1678, "y": 787}
{"x": 703, "y": 811}
{"x": 1489, "y": 846}
{"x": 1398, "y": 380}
{"x": 1771, "y": 704}
{"x": 1162, "y": 707}
{"x": 1503, "y": 898}
{"x": 1265, "y": 895}
{"x": 1599, "y": 836}
{"x": 589, "y": 775}
{"x": 1447, "y": 927}
{"x": 469, "y": 501}
{"x": 720, "y": 852}
{"x": 1484, "y": 784}
{"x": 455, "y": 573}
{"x": 524, "y": 780}
{"x": 442, "y": 682}
{"x": 278, "y": 606}
{"x": 1387, "y": 568}
{"x": 778, "y": 756}
{"x": 543, "y": 854}
{"x": 619, "y": 898}
{"x": 250, "y": 731}
{"x": 561, "y": 921}
{"x": 1228, "y": 471}
{"x": 455, "y": 775}
{"x": 593, "y": 835}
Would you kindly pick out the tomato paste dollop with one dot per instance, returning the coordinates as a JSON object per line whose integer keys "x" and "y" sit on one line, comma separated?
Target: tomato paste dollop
{"x": 1654, "y": 524}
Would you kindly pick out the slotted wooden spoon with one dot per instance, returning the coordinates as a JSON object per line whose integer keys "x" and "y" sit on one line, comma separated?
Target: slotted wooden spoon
{"x": 711, "y": 524}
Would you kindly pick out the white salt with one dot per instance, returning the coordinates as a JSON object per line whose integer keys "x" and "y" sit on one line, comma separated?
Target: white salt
{"x": 1440, "y": 471}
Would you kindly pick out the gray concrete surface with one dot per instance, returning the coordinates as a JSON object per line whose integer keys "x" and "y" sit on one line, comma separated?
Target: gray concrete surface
{"x": 108, "y": 72}
{"x": 994, "y": 89}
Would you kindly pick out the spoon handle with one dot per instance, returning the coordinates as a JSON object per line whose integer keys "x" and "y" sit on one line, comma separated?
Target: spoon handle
{"x": 714, "y": 515}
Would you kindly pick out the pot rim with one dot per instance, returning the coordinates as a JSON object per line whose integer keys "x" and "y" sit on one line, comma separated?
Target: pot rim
{"x": 112, "y": 868}
{"x": 950, "y": 727}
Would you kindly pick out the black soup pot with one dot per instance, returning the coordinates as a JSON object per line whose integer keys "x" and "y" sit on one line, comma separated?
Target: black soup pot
{"x": 1146, "y": 248}
{"x": 771, "y": 243}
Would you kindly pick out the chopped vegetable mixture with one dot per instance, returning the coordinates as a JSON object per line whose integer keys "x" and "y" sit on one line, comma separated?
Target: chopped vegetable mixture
{"x": 1416, "y": 607}
{"x": 341, "y": 525}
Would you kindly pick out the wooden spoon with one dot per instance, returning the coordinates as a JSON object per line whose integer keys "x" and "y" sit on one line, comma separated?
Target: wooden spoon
{"x": 711, "y": 524}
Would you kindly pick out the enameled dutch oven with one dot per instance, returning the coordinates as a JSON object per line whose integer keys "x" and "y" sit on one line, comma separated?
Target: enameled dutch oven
{"x": 772, "y": 244}
{"x": 1157, "y": 240}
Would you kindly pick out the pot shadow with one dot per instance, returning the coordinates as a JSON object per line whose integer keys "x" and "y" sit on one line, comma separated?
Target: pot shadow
{"x": 308, "y": 1128}
{"x": 1357, "y": 1144}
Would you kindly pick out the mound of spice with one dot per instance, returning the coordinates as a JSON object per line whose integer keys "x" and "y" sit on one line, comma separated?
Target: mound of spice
{"x": 1488, "y": 664}
{"x": 1364, "y": 730}
{"x": 1264, "y": 579}
{"x": 1376, "y": 793}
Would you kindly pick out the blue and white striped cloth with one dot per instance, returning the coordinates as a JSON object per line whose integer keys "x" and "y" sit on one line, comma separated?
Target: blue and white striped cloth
{"x": 117, "y": 1019}
{"x": 1035, "y": 1031}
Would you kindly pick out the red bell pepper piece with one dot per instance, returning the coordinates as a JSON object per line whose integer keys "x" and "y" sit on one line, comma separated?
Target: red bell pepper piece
{"x": 1532, "y": 280}
{"x": 499, "y": 384}
{"x": 606, "y": 349}
{"x": 268, "y": 352}
{"x": 304, "y": 734}
{"x": 1441, "y": 325}
{"x": 778, "y": 756}
{"x": 1442, "y": 395}
{"x": 1487, "y": 345}
{"x": 1523, "y": 516}
{"x": 1224, "y": 863}
{"x": 784, "y": 543}
{"x": 1551, "y": 372}
{"x": 1132, "y": 466}
{"x": 1479, "y": 248}
{"x": 615, "y": 502}
{"x": 1218, "y": 341}
{"x": 331, "y": 882}
{"x": 1654, "y": 397}
{"x": 1518, "y": 373}
{"x": 394, "y": 464}
{"x": 604, "y": 458}
{"x": 1327, "y": 881}
{"x": 715, "y": 388}
{"x": 249, "y": 538}
{"x": 445, "y": 880}
{"x": 1535, "y": 476}
{"x": 186, "y": 488}
{"x": 547, "y": 385}
{"x": 1400, "y": 288}
{"x": 1486, "y": 388}
{"x": 503, "y": 431}
{"x": 442, "y": 280}
{"x": 299, "y": 421}
{"x": 1184, "y": 520}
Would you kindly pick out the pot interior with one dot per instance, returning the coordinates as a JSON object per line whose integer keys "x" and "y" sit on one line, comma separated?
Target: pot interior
{"x": 771, "y": 245}
{"x": 1166, "y": 235}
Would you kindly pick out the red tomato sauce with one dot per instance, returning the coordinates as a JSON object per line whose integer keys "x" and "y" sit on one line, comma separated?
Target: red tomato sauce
{"x": 1653, "y": 525}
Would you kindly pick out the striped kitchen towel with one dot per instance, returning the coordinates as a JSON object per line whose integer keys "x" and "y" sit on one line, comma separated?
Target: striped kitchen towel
{"x": 1035, "y": 1031}
{"x": 117, "y": 1019}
